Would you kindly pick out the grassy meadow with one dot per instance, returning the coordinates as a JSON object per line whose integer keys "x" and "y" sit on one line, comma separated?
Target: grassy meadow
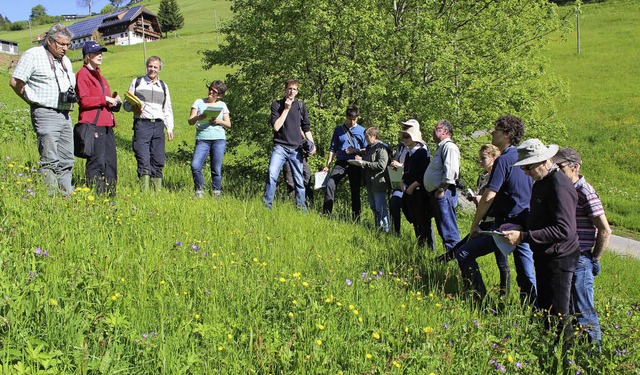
{"x": 602, "y": 110}
{"x": 162, "y": 283}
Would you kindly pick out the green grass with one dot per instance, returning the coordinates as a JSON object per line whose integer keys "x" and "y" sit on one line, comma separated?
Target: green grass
{"x": 602, "y": 112}
{"x": 164, "y": 283}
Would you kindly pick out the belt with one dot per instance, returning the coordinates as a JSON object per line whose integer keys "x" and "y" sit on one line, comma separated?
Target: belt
{"x": 150, "y": 119}
{"x": 63, "y": 111}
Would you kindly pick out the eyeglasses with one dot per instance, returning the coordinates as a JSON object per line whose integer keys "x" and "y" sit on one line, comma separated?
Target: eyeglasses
{"x": 528, "y": 167}
{"x": 62, "y": 44}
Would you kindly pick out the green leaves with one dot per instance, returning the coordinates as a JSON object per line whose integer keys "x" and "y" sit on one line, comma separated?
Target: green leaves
{"x": 466, "y": 61}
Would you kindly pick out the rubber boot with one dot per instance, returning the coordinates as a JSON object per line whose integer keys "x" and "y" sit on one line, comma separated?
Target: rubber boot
{"x": 157, "y": 183}
{"x": 505, "y": 281}
{"x": 144, "y": 182}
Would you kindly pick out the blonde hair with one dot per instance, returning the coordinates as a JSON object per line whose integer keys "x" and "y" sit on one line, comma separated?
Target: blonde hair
{"x": 490, "y": 150}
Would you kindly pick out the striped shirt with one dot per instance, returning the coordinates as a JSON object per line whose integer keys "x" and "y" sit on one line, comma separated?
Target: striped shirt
{"x": 152, "y": 96}
{"x": 35, "y": 69}
{"x": 589, "y": 206}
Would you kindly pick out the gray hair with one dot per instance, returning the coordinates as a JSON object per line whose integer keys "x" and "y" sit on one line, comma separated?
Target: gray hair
{"x": 446, "y": 125}
{"x": 58, "y": 30}
{"x": 154, "y": 58}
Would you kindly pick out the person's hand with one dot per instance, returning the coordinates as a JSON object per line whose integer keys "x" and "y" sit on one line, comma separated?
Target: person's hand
{"x": 351, "y": 150}
{"x": 170, "y": 136}
{"x": 358, "y": 158}
{"x": 409, "y": 189}
{"x": 288, "y": 103}
{"x": 325, "y": 168}
{"x": 395, "y": 165}
{"x": 512, "y": 237}
{"x": 595, "y": 267}
{"x": 474, "y": 231}
{"x": 137, "y": 111}
{"x": 439, "y": 193}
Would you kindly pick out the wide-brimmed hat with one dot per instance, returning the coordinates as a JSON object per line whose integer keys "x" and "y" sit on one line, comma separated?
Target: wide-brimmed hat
{"x": 414, "y": 133}
{"x": 567, "y": 154}
{"x": 534, "y": 151}
{"x": 92, "y": 47}
{"x": 412, "y": 123}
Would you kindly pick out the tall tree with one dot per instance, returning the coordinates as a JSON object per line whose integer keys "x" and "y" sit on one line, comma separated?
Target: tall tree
{"x": 116, "y": 3}
{"x": 37, "y": 12}
{"x": 86, "y": 4}
{"x": 169, "y": 16}
{"x": 468, "y": 61}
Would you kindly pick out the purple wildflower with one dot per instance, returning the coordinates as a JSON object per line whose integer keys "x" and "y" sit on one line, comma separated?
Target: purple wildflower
{"x": 24, "y": 198}
{"x": 363, "y": 275}
{"x": 20, "y": 175}
{"x": 502, "y": 368}
{"x": 194, "y": 247}
{"x": 144, "y": 335}
{"x": 349, "y": 282}
{"x": 446, "y": 326}
{"x": 38, "y": 251}
{"x": 178, "y": 243}
{"x": 31, "y": 192}
{"x": 476, "y": 323}
{"x": 32, "y": 275}
{"x": 518, "y": 365}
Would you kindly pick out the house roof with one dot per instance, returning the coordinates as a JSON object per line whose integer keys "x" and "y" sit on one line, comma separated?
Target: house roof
{"x": 85, "y": 28}
{"x": 8, "y": 42}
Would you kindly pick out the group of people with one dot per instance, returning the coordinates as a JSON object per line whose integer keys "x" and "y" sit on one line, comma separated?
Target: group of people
{"x": 531, "y": 199}
{"x": 44, "y": 79}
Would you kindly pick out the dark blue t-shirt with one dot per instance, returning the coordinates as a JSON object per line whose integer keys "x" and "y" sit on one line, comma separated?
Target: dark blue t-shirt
{"x": 342, "y": 139}
{"x": 512, "y": 187}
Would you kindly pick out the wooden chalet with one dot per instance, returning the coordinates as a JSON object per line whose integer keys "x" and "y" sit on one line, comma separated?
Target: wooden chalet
{"x": 122, "y": 27}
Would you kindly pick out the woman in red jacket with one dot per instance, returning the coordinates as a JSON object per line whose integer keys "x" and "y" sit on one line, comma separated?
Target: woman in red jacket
{"x": 96, "y": 104}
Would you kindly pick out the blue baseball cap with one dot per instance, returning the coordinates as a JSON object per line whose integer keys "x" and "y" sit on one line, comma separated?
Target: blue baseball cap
{"x": 92, "y": 47}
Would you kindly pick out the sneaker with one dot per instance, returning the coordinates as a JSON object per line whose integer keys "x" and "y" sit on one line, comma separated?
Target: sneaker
{"x": 199, "y": 194}
{"x": 216, "y": 193}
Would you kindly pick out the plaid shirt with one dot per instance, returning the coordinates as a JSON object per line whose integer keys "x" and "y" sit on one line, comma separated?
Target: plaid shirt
{"x": 41, "y": 88}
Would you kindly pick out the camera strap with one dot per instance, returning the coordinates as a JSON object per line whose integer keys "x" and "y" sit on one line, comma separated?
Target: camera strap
{"x": 53, "y": 68}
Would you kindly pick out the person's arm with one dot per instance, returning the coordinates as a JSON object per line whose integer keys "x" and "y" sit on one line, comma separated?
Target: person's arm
{"x": 195, "y": 117}
{"x": 602, "y": 238}
{"x": 379, "y": 162}
{"x": 485, "y": 202}
{"x": 168, "y": 116}
{"x": 309, "y": 137}
{"x": 329, "y": 160}
{"x": 18, "y": 87}
{"x": 280, "y": 117}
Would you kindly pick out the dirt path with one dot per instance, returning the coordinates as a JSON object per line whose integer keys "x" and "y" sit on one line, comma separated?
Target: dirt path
{"x": 624, "y": 246}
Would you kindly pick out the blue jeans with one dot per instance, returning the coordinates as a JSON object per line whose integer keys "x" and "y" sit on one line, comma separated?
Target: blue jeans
{"x": 214, "y": 149}
{"x": 470, "y": 251}
{"x": 55, "y": 144}
{"x": 525, "y": 273}
{"x": 443, "y": 209}
{"x": 482, "y": 245}
{"x": 582, "y": 295}
{"x": 279, "y": 156}
{"x": 378, "y": 204}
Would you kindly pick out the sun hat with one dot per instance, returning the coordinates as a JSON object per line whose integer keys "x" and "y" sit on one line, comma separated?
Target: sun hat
{"x": 534, "y": 151}
{"x": 412, "y": 123}
{"x": 567, "y": 154}
{"x": 414, "y": 134}
{"x": 92, "y": 47}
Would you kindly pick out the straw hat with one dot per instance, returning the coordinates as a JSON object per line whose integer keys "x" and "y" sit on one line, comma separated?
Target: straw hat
{"x": 414, "y": 133}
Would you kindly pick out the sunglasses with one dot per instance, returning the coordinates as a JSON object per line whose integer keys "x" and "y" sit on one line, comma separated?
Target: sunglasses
{"x": 528, "y": 167}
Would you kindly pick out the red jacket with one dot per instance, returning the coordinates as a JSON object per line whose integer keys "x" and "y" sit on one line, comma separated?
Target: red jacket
{"x": 92, "y": 97}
